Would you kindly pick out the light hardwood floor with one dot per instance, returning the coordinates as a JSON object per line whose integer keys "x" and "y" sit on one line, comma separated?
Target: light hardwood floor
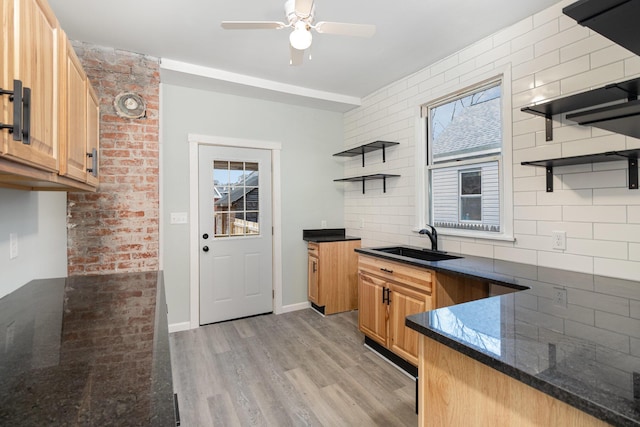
{"x": 294, "y": 369}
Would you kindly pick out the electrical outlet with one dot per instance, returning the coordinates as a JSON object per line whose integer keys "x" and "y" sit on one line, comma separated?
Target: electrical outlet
{"x": 559, "y": 240}
{"x": 13, "y": 245}
{"x": 323, "y": 223}
{"x": 560, "y": 297}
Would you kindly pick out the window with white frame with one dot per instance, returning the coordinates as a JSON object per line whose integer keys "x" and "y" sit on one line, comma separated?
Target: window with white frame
{"x": 464, "y": 159}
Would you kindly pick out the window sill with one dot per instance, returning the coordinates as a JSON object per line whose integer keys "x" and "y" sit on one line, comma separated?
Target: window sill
{"x": 474, "y": 234}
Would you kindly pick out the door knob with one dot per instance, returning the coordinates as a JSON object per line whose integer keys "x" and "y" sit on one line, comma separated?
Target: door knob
{"x": 205, "y": 248}
{"x": 205, "y": 236}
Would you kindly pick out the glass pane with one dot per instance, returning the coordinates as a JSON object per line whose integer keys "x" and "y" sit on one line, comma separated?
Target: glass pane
{"x": 253, "y": 198}
{"x": 236, "y": 199}
{"x": 237, "y": 224}
{"x": 221, "y": 224}
{"x": 253, "y": 227}
{"x": 236, "y": 173}
{"x": 470, "y": 183}
{"x": 471, "y": 208}
{"x": 467, "y": 126}
{"x": 221, "y": 173}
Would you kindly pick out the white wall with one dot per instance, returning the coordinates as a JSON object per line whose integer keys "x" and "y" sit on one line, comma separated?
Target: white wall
{"x": 550, "y": 55}
{"x": 309, "y": 137}
{"x": 39, "y": 219}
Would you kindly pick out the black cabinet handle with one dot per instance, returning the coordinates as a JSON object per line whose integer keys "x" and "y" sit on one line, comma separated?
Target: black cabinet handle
{"x": 93, "y": 155}
{"x": 26, "y": 116}
{"x": 386, "y": 295}
{"x": 15, "y": 96}
{"x": 386, "y": 270}
{"x": 315, "y": 268}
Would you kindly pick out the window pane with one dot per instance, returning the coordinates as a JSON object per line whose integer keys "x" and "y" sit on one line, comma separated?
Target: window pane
{"x": 466, "y": 127}
{"x": 221, "y": 173}
{"x": 237, "y": 224}
{"x": 221, "y": 224}
{"x": 252, "y": 225}
{"x": 471, "y": 208}
{"x": 470, "y": 183}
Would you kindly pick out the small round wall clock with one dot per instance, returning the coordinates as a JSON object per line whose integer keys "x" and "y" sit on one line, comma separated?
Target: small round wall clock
{"x": 130, "y": 105}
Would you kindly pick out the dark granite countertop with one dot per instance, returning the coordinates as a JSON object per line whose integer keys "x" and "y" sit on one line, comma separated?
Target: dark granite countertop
{"x": 324, "y": 235}
{"x": 586, "y": 354}
{"x": 86, "y": 351}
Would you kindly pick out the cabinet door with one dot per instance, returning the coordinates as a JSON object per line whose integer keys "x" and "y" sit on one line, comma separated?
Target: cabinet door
{"x": 372, "y": 312}
{"x": 93, "y": 135}
{"x": 405, "y": 301}
{"x": 312, "y": 279}
{"x": 32, "y": 53}
{"x": 73, "y": 109}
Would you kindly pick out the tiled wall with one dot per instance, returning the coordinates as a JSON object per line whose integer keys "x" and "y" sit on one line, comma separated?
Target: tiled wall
{"x": 549, "y": 56}
{"x": 116, "y": 228}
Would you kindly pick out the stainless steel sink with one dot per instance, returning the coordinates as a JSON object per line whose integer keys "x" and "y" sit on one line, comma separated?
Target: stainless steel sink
{"x": 422, "y": 254}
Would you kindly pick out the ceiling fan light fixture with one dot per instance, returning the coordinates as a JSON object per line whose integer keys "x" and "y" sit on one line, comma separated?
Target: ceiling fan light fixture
{"x": 300, "y": 38}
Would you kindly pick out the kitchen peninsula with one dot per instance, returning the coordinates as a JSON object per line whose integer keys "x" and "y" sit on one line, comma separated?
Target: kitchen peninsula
{"x": 567, "y": 348}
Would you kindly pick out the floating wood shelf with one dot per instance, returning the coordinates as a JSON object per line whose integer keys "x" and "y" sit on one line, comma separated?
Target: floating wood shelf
{"x": 366, "y": 148}
{"x": 609, "y": 156}
{"x": 363, "y": 178}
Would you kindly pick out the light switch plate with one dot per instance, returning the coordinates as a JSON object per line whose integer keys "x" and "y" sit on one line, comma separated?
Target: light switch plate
{"x": 178, "y": 218}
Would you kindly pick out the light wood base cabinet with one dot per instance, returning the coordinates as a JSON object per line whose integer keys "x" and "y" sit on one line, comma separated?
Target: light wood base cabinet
{"x": 332, "y": 275}
{"x": 388, "y": 292}
{"x": 456, "y": 390}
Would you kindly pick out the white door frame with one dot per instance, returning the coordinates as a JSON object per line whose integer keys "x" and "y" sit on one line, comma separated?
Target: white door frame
{"x": 196, "y": 140}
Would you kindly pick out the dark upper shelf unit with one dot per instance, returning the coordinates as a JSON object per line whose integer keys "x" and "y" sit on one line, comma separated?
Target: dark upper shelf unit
{"x": 363, "y": 178}
{"x": 617, "y": 20}
{"x": 609, "y": 156}
{"x": 627, "y": 90}
{"x": 367, "y": 148}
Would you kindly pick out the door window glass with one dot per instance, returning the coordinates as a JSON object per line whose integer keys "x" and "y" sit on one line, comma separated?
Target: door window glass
{"x": 236, "y": 198}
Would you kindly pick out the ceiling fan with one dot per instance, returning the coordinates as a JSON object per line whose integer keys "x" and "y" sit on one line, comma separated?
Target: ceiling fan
{"x": 300, "y": 14}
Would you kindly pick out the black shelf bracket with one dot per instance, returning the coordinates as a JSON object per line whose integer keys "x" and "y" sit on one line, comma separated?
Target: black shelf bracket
{"x": 609, "y": 156}
{"x": 548, "y": 127}
{"x": 367, "y": 148}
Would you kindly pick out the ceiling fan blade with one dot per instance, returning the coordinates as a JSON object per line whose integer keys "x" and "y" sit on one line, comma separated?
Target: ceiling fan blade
{"x": 296, "y": 56}
{"x": 252, "y": 25}
{"x": 303, "y": 7}
{"x": 343, "y": 29}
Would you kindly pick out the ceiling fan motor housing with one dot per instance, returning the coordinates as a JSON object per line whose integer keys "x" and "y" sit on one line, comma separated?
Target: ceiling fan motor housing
{"x": 293, "y": 16}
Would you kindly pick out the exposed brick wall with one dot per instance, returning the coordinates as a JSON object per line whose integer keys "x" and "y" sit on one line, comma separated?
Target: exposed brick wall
{"x": 116, "y": 228}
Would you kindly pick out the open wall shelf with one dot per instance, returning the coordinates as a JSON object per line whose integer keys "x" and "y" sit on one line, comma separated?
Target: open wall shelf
{"x": 363, "y": 178}
{"x": 609, "y": 156}
{"x": 627, "y": 90}
{"x": 366, "y": 148}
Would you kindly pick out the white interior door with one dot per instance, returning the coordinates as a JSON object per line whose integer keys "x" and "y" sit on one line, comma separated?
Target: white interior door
{"x": 235, "y": 233}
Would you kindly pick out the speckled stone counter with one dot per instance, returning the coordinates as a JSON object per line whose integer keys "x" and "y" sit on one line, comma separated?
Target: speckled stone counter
{"x": 326, "y": 235}
{"x": 586, "y": 353}
{"x": 86, "y": 351}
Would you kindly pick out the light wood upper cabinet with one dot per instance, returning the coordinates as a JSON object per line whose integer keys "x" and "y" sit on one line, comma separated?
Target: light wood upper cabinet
{"x": 31, "y": 57}
{"x": 62, "y": 112}
{"x": 79, "y": 116}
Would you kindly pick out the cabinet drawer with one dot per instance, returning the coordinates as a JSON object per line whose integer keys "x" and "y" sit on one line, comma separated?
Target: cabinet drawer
{"x": 415, "y": 277}
{"x": 314, "y": 249}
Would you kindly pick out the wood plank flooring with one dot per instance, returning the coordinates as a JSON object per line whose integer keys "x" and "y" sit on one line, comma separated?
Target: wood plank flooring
{"x": 294, "y": 369}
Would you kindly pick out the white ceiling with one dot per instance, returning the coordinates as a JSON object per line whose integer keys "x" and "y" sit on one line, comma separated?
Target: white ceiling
{"x": 411, "y": 34}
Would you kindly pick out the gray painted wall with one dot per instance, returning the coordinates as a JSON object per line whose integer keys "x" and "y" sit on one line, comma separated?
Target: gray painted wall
{"x": 39, "y": 219}
{"x": 309, "y": 138}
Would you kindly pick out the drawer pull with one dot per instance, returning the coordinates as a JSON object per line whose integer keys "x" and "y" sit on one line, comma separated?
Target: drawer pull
{"x": 386, "y": 270}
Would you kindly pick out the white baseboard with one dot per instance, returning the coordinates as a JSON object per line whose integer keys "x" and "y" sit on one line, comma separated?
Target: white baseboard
{"x": 294, "y": 307}
{"x": 177, "y": 327}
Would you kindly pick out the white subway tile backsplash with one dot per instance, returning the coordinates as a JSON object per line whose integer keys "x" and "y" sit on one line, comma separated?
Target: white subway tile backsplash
{"x": 592, "y": 79}
{"x": 524, "y": 198}
{"x": 608, "y": 55}
{"x": 617, "y": 232}
{"x": 583, "y": 47}
{"x": 566, "y": 261}
{"x": 525, "y": 227}
{"x": 540, "y": 63}
{"x": 632, "y": 66}
{"x": 526, "y": 256}
{"x": 538, "y": 33}
{"x": 601, "y": 144}
{"x": 616, "y": 196}
{"x": 564, "y": 197}
{"x": 515, "y": 30}
{"x": 634, "y": 251}
{"x": 570, "y": 35}
{"x": 577, "y": 230}
{"x": 633, "y": 214}
{"x": 597, "y": 248}
{"x": 617, "y": 268}
{"x": 603, "y": 214}
{"x": 562, "y": 71}
{"x": 606, "y": 179}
